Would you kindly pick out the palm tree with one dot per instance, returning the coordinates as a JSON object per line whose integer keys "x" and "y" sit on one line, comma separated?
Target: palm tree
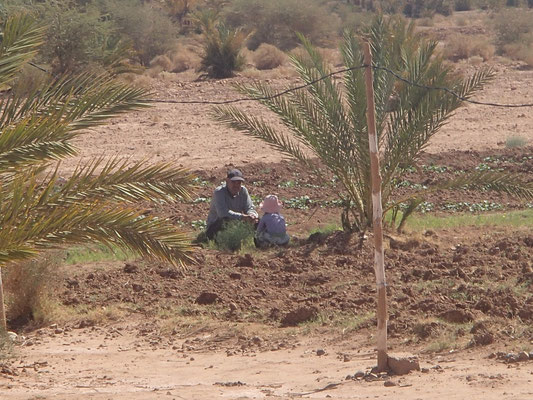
{"x": 98, "y": 203}
{"x": 328, "y": 119}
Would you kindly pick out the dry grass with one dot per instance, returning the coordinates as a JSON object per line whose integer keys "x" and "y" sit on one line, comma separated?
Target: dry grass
{"x": 28, "y": 290}
{"x": 29, "y": 80}
{"x": 462, "y": 47}
{"x": 186, "y": 57}
{"x": 136, "y": 80}
{"x": 162, "y": 62}
{"x": 268, "y": 56}
{"x": 281, "y": 72}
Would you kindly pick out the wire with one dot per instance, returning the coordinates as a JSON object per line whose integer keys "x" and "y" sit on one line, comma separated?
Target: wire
{"x": 451, "y": 91}
{"x": 242, "y": 99}
{"x": 38, "y": 67}
{"x": 295, "y": 88}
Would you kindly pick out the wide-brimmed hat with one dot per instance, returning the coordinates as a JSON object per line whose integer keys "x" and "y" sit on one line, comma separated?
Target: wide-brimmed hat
{"x": 235, "y": 175}
{"x": 271, "y": 204}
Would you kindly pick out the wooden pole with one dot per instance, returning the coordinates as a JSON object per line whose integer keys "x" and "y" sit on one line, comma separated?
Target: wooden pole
{"x": 377, "y": 214}
{"x": 3, "y": 322}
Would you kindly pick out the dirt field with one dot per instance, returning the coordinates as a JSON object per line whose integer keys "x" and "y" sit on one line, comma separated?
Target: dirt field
{"x": 297, "y": 322}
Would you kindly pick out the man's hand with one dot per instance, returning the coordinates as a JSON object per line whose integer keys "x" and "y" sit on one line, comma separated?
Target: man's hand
{"x": 251, "y": 219}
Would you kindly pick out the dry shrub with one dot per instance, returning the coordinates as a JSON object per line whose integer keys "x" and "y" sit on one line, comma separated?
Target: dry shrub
{"x": 162, "y": 62}
{"x": 180, "y": 62}
{"x": 252, "y": 73}
{"x": 29, "y": 80}
{"x": 460, "y": 47}
{"x": 513, "y": 27}
{"x": 299, "y": 52}
{"x": 427, "y": 21}
{"x": 136, "y": 80}
{"x": 169, "y": 76}
{"x": 461, "y": 21}
{"x": 28, "y": 290}
{"x": 520, "y": 51}
{"x": 475, "y": 60}
{"x": 153, "y": 72}
{"x": 268, "y": 56}
{"x": 185, "y": 57}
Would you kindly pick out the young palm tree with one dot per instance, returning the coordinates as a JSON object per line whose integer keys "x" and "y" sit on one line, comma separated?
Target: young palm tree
{"x": 328, "y": 119}
{"x": 222, "y": 46}
{"x": 39, "y": 211}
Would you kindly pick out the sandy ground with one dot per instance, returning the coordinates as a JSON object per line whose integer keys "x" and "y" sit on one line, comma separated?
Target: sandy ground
{"x": 96, "y": 366}
{"x": 184, "y": 133}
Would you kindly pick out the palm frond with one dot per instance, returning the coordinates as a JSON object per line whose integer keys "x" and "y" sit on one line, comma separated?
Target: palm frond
{"x": 119, "y": 226}
{"x": 21, "y": 37}
{"x": 81, "y": 101}
{"x": 234, "y": 118}
{"x": 120, "y": 181}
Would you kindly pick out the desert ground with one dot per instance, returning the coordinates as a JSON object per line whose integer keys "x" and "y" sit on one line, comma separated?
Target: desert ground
{"x": 234, "y": 326}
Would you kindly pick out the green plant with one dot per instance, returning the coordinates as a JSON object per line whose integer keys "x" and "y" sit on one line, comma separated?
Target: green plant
{"x": 300, "y": 203}
{"x": 326, "y": 230}
{"x": 199, "y": 224}
{"x": 332, "y": 126}
{"x": 148, "y": 28}
{"x": 98, "y": 202}
{"x": 515, "y": 141}
{"x": 234, "y": 236}
{"x": 222, "y": 48}
{"x": 86, "y": 254}
{"x": 80, "y": 36}
{"x": 511, "y": 218}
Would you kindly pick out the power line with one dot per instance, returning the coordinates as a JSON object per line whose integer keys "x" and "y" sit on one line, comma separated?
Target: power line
{"x": 242, "y": 99}
{"x": 341, "y": 71}
{"x": 295, "y": 88}
{"x": 482, "y": 103}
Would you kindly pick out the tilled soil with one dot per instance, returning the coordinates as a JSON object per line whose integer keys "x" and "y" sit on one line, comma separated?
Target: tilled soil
{"x": 481, "y": 279}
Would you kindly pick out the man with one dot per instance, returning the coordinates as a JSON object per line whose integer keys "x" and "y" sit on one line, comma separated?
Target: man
{"x": 230, "y": 202}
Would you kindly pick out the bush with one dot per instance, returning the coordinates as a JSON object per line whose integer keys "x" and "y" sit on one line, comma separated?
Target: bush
{"x": 162, "y": 62}
{"x": 149, "y": 29}
{"x": 459, "y": 47}
{"x": 28, "y": 287}
{"x": 222, "y": 49}
{"x": 463, "y": 5}
{"x": 184, "y": 58}
{"x": 268, "y": 56}
{"x": 74, "y": 37}
{"x": 277, "y": 21}
{"x": 444, "y": 7}
{"x": 28, "y": 81}
{"x": 234, "y": 236}
{"x": 515, "y": 34}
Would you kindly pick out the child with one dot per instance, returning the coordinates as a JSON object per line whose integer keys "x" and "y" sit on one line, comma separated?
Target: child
{"x": 271, "y": 229}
